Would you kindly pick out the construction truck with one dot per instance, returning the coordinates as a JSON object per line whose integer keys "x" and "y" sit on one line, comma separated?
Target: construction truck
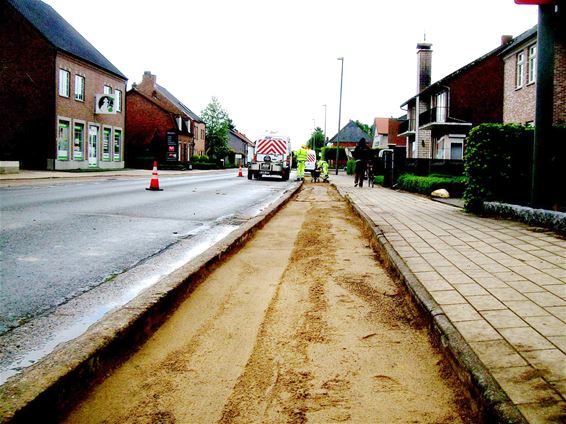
{"x": 272, "y": 156}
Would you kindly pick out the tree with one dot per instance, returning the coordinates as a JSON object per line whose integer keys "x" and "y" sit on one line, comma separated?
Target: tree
{"x": 365, "y": 128}
{"x": 316, "y": 140}
{"x": 218, "y": 125}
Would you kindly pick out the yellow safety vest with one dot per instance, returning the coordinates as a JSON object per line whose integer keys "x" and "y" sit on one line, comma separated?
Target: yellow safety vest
{"x": 302, "y": 155}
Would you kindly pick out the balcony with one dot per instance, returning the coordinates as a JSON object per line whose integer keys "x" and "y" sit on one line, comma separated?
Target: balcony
{"x": 406, "y": 127}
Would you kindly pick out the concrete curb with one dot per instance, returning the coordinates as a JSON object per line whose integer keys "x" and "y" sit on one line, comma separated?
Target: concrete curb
{"x": 47, "y": 390}
{"x": 495, "y": 406}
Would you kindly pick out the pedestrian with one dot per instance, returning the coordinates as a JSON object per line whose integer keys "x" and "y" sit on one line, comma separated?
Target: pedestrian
{"x": 323, "y": 166}
{"x": 361, "y": 154}
{"x": 301, "y": 156}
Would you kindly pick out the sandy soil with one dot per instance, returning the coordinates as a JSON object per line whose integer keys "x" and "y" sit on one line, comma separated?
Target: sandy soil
{"x": 301, "y": 325}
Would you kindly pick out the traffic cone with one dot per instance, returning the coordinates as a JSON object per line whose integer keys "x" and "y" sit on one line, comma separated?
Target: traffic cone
{"x": 154, "y": 183}
{"x": 240, "y": 172}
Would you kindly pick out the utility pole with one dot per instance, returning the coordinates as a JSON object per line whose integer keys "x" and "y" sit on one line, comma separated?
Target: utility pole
{"x": 341, "y": 59}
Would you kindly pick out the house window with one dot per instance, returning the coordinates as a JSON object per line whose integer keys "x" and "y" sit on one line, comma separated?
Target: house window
{"x": 117, "y": 145}
{"x": 439, "y": 148}
{"x": 456, "y": 150}
{"x": 118, "y": 100}
{"x": 107, "y": 89}
{"x": 78, "y": 141}
{"x": 64, "y": 83}
{"x": 63, "y": 135}
{"x": 106, "y": 136}
{"x": 519, "y": 70}
{"x": 441, "y": 107}
{"x": 79, "y": 88}
{"x": 532, "y": 64}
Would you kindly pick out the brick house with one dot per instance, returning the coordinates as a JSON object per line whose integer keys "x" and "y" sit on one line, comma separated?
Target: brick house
{"x": 49, "y": 87}
{"x": 440, "y": 115}
{"x": 160, "y": 127}
{"x": 519, "y": 90}
{"x": 386, "y": 133}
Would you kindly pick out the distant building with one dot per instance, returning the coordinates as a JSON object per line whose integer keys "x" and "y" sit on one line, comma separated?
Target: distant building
{"x": 241, "y": 146}
{"x": 349, "y": 136}
{"x": 160, "y": 127}
{"x": 386, "y": 133}
{"x": 61, "y": 100}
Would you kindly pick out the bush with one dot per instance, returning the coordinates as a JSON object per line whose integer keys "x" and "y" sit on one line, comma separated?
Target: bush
{"x": 426, "y": 185}
{"x": 535, "y": 217}
{"x": 351, "y": 167}
{"x": 497, "y": 163}
{"x": 205, "y": 165}
{"x": 195, "y": 159}
{"x": 378, "y": 179}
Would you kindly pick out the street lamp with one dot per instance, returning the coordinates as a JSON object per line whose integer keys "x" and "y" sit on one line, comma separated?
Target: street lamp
{"x": 324, "y": 124}
{"x": 341, "y": 59}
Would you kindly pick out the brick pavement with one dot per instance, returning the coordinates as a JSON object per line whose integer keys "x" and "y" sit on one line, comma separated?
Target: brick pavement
{"x": 502, "y": 285}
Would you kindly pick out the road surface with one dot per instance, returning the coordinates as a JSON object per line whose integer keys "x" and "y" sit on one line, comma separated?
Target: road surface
{"x": 76, "y": 249}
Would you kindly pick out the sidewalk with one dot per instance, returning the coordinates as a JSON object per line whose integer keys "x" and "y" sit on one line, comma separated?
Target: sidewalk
{"x": 499, "y": 283}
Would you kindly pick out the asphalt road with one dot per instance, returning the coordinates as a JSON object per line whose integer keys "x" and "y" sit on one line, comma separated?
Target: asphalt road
{"x": 60, "y": 240}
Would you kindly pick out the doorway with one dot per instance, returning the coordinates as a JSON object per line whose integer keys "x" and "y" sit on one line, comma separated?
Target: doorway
{"x": 93, "y": 139}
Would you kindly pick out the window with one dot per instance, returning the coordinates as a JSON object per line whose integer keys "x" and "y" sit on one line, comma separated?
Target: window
{"x": 532, "y": 64}
{"x": 106, "y": 136}
{"x": 64, "y": 83}
{"x": 79, "y": 88}
{"x": 78, "y": 141}
{"x": 118, "y": 100}
{"x": 117, "y": 145}
{"x": 456, "y": 151}
{"x": 519, "y": 70}
{"x": 441, "y": 107}
{"x": 107, "y": 89}
{"x": 439, "y": 148}
{"x": 63, "y": 133}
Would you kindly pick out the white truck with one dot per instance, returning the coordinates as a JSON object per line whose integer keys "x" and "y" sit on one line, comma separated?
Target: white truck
{"x": 272, "y": 156}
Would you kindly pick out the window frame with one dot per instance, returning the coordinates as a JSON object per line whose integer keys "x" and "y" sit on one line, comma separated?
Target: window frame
{"x": 117, "y": 130}
{"x": 81, "y": 95}
{"x": 64, "y": 88}
{"x": 68, "y": 122}
{"x": 106, "y": 148}
{"x": 82, "y": 145}
{"x": 531, "y": 63}
{"x": 107, "y": 89}
{"x": 118, "y": 100}
{"x": 519, "y": 69}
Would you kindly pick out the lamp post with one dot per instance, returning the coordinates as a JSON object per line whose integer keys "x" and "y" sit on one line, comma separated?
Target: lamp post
{"x": 341, "y": 59}
{"x": 324, "y": 124}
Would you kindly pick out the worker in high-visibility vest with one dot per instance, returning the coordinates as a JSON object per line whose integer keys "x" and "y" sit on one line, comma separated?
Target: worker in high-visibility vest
{"x": 323, "y": 166}
{"x": 301, "y": 156}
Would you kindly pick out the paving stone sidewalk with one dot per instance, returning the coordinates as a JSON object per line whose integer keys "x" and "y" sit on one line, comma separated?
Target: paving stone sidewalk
{"x": 502, "y": 284}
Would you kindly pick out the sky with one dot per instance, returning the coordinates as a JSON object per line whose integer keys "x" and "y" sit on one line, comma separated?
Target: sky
{"x": 273, "y": 64}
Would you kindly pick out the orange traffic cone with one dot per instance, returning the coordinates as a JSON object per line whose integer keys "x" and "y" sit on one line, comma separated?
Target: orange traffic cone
{"x": 240, "y": 172}
{"x": 154, "y": 183}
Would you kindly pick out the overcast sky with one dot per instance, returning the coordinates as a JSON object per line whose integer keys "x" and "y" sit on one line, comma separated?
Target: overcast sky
{"x": 273, "y": 64}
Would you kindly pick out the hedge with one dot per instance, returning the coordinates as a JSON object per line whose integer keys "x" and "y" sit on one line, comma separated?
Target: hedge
{"x": 426, "y": 185}
{"x": 351, "y": 167}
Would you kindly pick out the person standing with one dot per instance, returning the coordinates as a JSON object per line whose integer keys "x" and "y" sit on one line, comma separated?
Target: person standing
{"x": 301, "y": 156}
{"x": 361, "y": 153}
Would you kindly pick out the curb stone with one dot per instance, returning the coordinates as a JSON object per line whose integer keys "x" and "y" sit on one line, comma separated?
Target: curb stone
{"x": 495, "y": 406}
{"x": 47, "y": 390}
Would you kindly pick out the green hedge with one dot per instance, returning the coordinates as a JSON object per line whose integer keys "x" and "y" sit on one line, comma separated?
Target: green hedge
{"x": 205, "y": 165}
{"x": 351, "y": 167}
{"x": 378, "y": 179}
{"x": 497, "y": 163}
{"x": 426, "y": 185}
{"x": 200, "y": 159}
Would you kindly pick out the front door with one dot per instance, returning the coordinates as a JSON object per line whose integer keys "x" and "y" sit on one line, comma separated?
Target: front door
{"x": 93, "y": 139}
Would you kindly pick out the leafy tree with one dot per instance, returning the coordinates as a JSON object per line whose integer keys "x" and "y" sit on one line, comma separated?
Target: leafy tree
{"x": 365, "y": 128}
{"x": 316, "y": 140}
{"x": 218, "y": 125}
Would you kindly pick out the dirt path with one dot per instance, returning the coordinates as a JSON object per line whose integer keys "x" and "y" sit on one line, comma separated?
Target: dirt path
{"x": 310, "y": 329}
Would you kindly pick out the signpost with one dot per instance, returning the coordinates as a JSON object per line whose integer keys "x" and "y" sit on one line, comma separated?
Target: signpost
{"x": 172, "y": 142}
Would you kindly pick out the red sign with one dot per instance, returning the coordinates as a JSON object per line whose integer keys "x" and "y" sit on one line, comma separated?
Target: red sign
{"x": 539, "y": 2}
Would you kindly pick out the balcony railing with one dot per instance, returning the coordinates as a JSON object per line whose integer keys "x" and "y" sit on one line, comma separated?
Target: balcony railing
{"x": 433, "y": 115}
{"x": 407, "y": 126}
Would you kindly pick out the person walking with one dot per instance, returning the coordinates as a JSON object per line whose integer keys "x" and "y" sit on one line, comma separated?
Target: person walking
{"x": 301, "y": 156}
{"x": 361, "y": 154}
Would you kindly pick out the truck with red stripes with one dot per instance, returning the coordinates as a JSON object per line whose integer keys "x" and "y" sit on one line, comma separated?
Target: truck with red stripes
{"x": 272, "y": 156}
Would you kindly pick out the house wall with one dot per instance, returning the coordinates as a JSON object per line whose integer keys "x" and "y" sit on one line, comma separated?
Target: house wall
{"x": 83, "y": 111}
{"x": 476, "y": 95}
{"x": 200, "y": 135}
{"x": 519, "y": 103}
{"x": 27, "y": 90}
{"x": 146, "y": 123}
{"x": 560, "y": 80}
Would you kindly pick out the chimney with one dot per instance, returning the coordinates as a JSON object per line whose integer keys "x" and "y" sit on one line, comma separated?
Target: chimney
{"x": 506, "y": 39}
{"x": 149, "y": 79}
{"x": 424, "y": 65}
